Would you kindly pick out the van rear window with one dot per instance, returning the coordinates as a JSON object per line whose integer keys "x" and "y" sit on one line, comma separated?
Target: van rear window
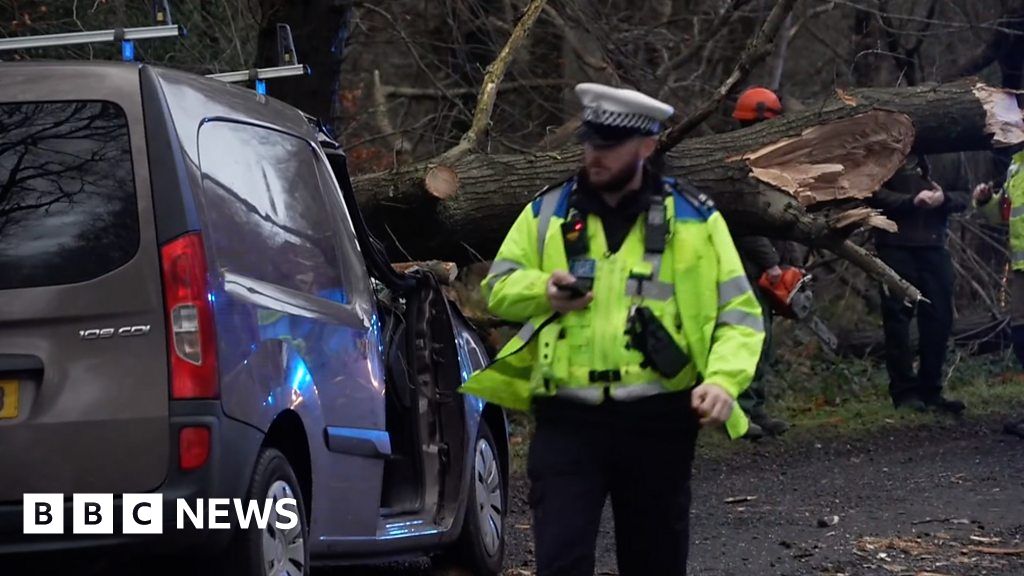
{"x": 67, "y": 193}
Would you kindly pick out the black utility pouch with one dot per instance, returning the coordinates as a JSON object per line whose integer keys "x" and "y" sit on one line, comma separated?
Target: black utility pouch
{"x": 648, "y": 336}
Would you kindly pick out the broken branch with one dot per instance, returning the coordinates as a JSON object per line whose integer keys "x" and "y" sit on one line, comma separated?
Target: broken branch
{"x": 758, "y": 49}
{"x": 492, "y": 78}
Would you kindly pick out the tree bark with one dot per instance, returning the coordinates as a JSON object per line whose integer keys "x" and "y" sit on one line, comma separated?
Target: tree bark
{"x": 807, "y": 169}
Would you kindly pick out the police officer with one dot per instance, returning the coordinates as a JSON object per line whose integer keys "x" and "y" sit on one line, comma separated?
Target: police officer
{"x": 918, "y": 252}
{"x": 640, "y": 327}
{"x": 1008, "y": 206}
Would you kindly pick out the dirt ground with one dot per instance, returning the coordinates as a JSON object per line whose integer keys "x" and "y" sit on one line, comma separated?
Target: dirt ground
{"x": 935, "y": 500}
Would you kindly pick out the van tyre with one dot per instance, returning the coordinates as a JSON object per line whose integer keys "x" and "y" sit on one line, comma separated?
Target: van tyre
{"x": 273, "y": 552}
{"x": 481, "y": 548}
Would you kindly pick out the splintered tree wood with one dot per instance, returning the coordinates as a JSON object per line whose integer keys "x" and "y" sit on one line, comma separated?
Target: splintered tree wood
{"x": 848, "y": 158}
{"x": 445, "y": 272}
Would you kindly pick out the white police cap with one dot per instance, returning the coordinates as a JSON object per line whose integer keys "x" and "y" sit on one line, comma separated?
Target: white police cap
{"x": 622, "y": 110}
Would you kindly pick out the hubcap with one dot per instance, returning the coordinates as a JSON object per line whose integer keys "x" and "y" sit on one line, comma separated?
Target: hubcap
{"x": 284, "y": 551}
{"x": 488, "y": 496}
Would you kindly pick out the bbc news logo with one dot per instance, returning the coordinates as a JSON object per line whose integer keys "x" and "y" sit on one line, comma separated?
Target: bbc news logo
{"x": 144, "y": 513}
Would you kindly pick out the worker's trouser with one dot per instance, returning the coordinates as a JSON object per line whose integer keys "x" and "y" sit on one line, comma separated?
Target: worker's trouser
{"x": 753, "y": 399}
{"x": 931, "y": 271}
{"x": 641, "y": 454}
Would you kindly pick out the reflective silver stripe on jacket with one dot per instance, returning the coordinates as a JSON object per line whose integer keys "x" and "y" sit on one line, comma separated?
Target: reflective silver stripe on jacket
{"x": 652, "y": 289}
{"x": 500, "y": 269}
{"x": 741, "y": 318}
{"x": 1018, "y": 257}
{"x": 548, "y": 204}
{"x": 526, "y": 332}
{"x": 1017, "y": 212}
{"x": 595, "y": 394}
{"x": 636, "y": 391}
{"x": 732, "y": 288}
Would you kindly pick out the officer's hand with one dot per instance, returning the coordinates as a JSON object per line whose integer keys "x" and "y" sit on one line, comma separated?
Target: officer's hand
{"x": 712, "y": 403}
{"x": 982, "y": 193}
{"x": 561, "y": 301}
{"x": 774, "y": 274}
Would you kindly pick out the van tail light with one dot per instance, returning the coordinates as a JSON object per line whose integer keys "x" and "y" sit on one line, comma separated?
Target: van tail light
{"x": 190, "y": 330}
{"x": 193, "y": 447}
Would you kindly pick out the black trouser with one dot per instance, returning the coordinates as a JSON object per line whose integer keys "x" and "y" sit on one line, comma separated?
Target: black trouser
{"x": 930, "y": 270}
{"x": 753, "y": 399}
{"x": 639, "y": 452}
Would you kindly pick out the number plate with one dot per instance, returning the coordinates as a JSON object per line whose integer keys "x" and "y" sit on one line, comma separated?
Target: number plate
{"x": 8, "y": 399}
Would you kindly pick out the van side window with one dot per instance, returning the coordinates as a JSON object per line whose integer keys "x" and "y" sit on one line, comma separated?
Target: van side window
{"x": 265, "y": 213}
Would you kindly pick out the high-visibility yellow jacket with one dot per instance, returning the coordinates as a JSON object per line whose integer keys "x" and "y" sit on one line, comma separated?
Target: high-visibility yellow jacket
{"x": 700, "y": 293}
{"x": 1013, "y": 190}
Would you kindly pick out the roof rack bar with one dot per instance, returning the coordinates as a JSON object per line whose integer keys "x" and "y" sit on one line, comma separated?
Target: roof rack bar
{"x": 68, "y": 39}
{"x": 262, "y": 73}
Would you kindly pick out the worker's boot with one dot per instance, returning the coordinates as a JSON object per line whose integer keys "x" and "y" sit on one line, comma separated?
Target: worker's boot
{"x": 771, "y": 426}
{"x": 909, "y": 403}
{"x": 940, "y": 403}
{"x": 754, "y": 432}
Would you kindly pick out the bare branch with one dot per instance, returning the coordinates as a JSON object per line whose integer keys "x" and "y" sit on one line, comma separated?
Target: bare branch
{"x": 571, "y": 36}
{"x": 415, "y": 55}
{"x": 492, "y": 78}
{"x": 721, "y": 21}
{"x": 757, "y": 50}
{"x": 410, "y": 92}
{"x": 876, "y": 268}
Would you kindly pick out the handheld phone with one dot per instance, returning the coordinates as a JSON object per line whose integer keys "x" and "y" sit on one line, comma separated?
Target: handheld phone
{"x": 576, "y": 289}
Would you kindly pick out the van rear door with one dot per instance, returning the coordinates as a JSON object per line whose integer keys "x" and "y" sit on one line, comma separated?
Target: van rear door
{"x": 83, "y": 369}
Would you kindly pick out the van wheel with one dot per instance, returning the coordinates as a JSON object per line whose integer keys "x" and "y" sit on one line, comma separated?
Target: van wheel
{"x": 273, "y": 552}
{"x": 482, "y": 542}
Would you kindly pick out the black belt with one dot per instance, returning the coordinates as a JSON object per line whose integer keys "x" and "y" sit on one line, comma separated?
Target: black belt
{"x": 605, "y": 376}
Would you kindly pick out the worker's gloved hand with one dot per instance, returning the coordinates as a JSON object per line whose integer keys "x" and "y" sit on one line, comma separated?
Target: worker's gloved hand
{"x": 563, "y": 301}
{"x": 932, "y": 198}
{"x": 774, "y": 274}
{"x": 982, "y": 193}
{"x": 712, "y": 403}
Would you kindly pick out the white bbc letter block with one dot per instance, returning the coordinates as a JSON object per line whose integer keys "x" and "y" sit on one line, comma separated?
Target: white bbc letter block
{"x": 43, "y": 514}
{"x": 219, "y": 508}
{"x": 142, "y": 514}
{"x": 93, "y": 514}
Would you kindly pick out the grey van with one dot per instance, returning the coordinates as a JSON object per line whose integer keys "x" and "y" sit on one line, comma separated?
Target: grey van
{"x": 191, "y": 305}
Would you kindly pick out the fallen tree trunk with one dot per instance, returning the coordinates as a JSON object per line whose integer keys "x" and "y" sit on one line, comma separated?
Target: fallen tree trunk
{"x": 796, "y": 177}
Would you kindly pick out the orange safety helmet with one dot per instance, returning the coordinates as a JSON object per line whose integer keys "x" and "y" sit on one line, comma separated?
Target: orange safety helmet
{"x": 757, "y": 104}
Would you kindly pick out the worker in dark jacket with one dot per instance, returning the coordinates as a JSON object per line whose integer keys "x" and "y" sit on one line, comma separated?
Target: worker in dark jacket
{"x": 918, "y": 253}
{"x": 760, "y": 257}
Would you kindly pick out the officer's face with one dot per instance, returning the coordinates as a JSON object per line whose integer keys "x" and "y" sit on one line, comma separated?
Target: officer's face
{"x": 614, "y": 167}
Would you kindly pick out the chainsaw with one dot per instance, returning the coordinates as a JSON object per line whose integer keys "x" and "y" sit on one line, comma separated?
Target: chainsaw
{"x": 790, "y": 296}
